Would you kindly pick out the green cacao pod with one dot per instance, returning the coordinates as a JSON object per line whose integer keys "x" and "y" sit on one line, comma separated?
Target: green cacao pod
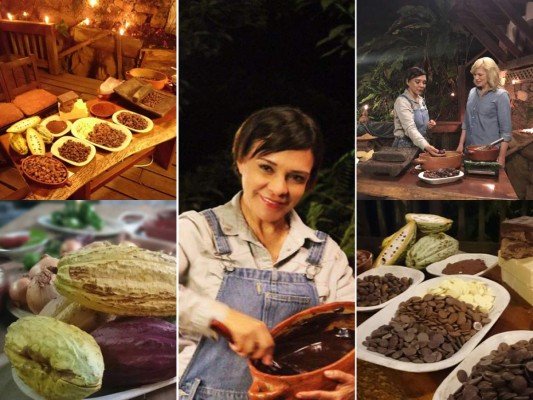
{"x": 397, "y": 246}
{"x": 430, "y": 223}
{"x": 430, "y": 249}
{"x": 120, "y": 280}
{"x": 55, "y": 359}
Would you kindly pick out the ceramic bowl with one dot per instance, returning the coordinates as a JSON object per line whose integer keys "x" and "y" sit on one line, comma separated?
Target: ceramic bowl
{"x": 103, "y": 109}
{"x": 364, "y": 261}
{"x": 474, "y": 154}
{"x": 155, "y": 78}
{"x": 451, "y": 159}
{"x": 47, "y": 160}
{"x": 269, "y": 386}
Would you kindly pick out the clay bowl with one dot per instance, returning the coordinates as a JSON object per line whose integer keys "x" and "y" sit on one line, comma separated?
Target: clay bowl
{"x": 44, "y": 160}
{"x": 269, "y": 386}
{"x": 103, "y": 109}
{"x": 155, "y": 78}
{"x": 451, "y": 159}
{"x": 491, "y": 154}
{"x": 364, "y": 261}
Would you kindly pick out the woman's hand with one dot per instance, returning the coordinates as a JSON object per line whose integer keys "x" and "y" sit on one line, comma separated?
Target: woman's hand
{"x": 460, "y": 148}
{"x": 251, "y": 337}
{"x": 501, "y": 161}
{"x": 433, "y": 151}
{"x": 431, "y": 124}
{"x": 345, "y": 389}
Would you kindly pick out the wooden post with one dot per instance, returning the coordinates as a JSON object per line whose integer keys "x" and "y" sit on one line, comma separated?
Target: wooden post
{"x": 461, "y": 92}
{"x": 119, "y": 55}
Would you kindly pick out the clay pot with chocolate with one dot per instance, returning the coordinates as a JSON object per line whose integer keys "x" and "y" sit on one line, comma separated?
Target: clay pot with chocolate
{"x": 475, "y": 152}
{"x": 450, "y": 159}
{"x": 307, "y": 344}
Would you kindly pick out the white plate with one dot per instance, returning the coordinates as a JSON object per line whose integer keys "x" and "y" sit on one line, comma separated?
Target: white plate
{"x": 436, "y": 268}
{"x": 57, "y": 118}
{"x": 110, "y": 227}
{"x": 17, "y": 311}
{"x": 124, "y": 395}
{"x": 83, "y": 126}
{"x": 440, "y": 181}
{"x": 450, "y": 384}
{"x": 384, "y": 316}
{"x": 398, "y": 271}
{"x": 148, "y": 120}
{"x": 19, "y": 252}
{"x": 55, "y": 150}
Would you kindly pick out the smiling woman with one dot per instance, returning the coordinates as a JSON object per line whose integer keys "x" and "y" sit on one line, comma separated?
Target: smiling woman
{"x": 263, "y": 264}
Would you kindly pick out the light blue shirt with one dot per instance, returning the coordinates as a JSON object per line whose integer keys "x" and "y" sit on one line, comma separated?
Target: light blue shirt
{"x": 487, "y": 117}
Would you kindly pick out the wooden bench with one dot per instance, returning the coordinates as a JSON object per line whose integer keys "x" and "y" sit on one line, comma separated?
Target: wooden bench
{"x": 22, "y": 38}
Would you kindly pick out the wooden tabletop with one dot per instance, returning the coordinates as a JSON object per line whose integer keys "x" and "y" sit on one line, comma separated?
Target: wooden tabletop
{"x": 8, "y": 388}
{"x": 378, "y": 382}
{"x": 407, "y": 186}
{"x": 105, "y": 165}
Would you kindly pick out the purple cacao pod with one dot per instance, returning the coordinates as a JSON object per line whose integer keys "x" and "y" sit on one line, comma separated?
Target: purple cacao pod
{"x": 137, "y": 351}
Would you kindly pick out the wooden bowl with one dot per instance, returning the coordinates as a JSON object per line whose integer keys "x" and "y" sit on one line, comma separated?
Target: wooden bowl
{"x": 103, "y": 109}
{"x": 364, "y": 261}
{"x": 474, "y": 154}
{"x": 451, "y": 159}
{"x": 155, "y": 78}
{"x": 44, "y": 162}
{"x": 268, "y": 386}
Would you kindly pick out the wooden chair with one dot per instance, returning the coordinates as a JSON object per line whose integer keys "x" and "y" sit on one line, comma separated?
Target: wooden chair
{"x": 23, "y": 86}
{"x": 9, "y": 113}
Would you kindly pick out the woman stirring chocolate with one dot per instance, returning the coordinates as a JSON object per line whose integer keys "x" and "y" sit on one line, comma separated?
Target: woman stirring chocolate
{"x": 252, "y": 262}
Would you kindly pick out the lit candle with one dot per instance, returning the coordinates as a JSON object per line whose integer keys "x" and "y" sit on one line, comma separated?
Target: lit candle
{"x": 25, "y": 14}
{"x": 121, "y": 31}
{"x": 126, "y": 24}
{"x": 452, "y": 94}
{"x": 92, "y": 3}
{"x": 86, "y": 21}
{"x": 9, "y": 17}
{"x": 46, "y": 19}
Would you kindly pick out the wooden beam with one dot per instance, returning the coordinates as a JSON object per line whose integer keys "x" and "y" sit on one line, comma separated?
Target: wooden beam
{"x": 484, "y": 19}
{"x": 83, "y": 44}
{"x": 478, "y": 31}
{"x": 519, "y": 63}
{"x": 516, "y": 18}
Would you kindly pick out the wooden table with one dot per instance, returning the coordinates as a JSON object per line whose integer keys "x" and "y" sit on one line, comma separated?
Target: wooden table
{"x": 407, "y": 186}
{"x": 8, "y": 388}
{"x": 378, "y": 382}
{"x": 160, "y": 142}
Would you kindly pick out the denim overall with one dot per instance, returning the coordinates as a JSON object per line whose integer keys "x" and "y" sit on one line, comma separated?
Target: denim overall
{"x": 421, "y": 117}
{"x": 217, "y": 372}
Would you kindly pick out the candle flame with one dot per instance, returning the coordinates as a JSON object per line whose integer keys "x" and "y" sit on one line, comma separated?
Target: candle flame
{"x": 127, "y": 24}
{"x": 86, "y": 21}
{"x": 25, "y": 13}
{"x": 452, "y": 94}
{"x": 9, "y": 17}
{"x": 365, "y": 106}
{"x": 121, "y": 31}
{"x": 514, "y": 81}
{"x": 46, "y": 19}
{"x": 92, "y": 3}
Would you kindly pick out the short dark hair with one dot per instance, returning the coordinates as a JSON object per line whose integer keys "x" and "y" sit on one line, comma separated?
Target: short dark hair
{"x": 277, "y": 129}
{"x": 413, "y": 72}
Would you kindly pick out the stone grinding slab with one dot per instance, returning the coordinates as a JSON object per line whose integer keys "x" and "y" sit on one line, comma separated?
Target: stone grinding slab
{"x": 389, "y": 162}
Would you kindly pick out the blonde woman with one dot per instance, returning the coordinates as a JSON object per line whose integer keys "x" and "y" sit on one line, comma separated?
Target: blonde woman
{"x": 488, "y": 110}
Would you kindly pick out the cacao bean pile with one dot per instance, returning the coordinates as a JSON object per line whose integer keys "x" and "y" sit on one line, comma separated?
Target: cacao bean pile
{"x": 506, "y": 373}
{"x": 427, "y": 330}
{"x": 133, "y": 121}
{"x": 152, "y": 99}
{"x": 104, "y": 135}
{"x": 45, "y": 169}
{"x": 441, "y": 173}
{"x": 75, "y": 151}
{"x": 373, "y": 290}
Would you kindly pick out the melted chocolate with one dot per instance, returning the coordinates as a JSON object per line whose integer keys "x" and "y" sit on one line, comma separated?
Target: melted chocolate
{"x": 467, "y": 267}
{"x": 56, "y": 126}
{"x": 312, "y": 344}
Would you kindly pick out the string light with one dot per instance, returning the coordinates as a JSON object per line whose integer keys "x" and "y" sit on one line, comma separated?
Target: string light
{"x": 452, "y": 94}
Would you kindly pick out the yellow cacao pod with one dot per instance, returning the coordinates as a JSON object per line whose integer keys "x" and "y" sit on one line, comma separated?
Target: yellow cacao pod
{"x": 121, "y": 280}
{"x": 75, "y": 314}
{"x": 35, "y": 142}
{"x": 45, "y": 134}
{"x": 18, "y": 143}
{"x": 55, "y": 359}
{"x": 22, "y": 125}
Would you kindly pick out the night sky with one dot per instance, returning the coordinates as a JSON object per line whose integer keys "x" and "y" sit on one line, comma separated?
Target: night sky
{"x": 276, "y": 65}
